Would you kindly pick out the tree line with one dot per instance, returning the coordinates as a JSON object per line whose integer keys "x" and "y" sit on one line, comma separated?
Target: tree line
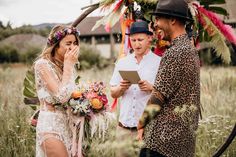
{"x": 8, "y": 30}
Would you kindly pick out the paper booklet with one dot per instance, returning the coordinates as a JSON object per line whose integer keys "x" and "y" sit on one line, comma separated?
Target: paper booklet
{"x": 131, "y": 76}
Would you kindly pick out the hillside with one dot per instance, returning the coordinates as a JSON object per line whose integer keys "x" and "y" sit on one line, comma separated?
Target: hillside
{"x": 24, "y": 41}
{"x": 44, "y": 25}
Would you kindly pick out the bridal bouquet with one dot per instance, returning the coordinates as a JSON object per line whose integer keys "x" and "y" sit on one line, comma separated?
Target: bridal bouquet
{"x": 89, "y": 100}
{"x": 89, "y": 108}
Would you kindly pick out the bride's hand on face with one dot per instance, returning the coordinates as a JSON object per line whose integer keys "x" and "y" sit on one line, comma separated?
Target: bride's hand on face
{"x": 72, "y": 55}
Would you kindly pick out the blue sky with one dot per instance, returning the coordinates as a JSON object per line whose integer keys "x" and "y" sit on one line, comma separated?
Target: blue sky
{"x": 20, "y": 12}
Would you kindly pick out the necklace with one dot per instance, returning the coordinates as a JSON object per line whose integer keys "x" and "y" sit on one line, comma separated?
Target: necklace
{"x": 58, "y": 63}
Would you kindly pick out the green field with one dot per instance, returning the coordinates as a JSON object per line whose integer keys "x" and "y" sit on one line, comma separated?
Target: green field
{"x": 218, "y": 98}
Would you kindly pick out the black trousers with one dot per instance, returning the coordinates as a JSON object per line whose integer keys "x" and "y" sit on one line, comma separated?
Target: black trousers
{"x": 145, "y": 152}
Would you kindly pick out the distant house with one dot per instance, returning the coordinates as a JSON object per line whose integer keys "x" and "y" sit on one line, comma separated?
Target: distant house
{"x": 108, "y": 43}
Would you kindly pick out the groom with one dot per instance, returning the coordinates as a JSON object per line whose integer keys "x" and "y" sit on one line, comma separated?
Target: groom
{"x": 172, "y": 113}
{"x": 134, "y": 96}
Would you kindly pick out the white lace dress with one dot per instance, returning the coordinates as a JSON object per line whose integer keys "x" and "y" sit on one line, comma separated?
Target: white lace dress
{"x": 53, "y": 87}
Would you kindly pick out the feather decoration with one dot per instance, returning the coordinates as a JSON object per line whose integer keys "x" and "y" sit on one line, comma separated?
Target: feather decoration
{"x": 106, "y": 3}
{"x": 147, "y": 1}
{"x": 115, "y": 16}
{"x": 123, "y": 31}
{"x": 226, "y": 30}
{"x": 193, "y": 11}
{"x": 218, "y": 39}
{"x": 125, "y": 45}
{"x": 112, "y": 18}
{"x": 118, "y": 5}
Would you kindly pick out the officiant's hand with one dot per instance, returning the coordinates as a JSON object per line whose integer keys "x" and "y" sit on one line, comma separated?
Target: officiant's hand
{"x": 124, "y": 85}
{"x": 145, "y": 86}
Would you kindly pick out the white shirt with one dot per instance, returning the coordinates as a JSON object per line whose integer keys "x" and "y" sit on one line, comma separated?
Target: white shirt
{"x": 134, "y": 100}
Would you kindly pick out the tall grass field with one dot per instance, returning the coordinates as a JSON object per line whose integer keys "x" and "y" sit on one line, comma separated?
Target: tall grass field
{"x": 218, "y": 100}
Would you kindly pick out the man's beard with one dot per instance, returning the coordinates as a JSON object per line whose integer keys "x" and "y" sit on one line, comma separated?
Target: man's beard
{"x": 167, "y": 35}
{"x": 167, "y": 38}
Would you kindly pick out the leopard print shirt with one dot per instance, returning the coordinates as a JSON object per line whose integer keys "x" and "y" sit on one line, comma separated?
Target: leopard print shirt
{"x": 173, "y": 131}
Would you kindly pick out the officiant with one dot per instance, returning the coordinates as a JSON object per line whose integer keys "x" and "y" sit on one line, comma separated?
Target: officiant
{"x": 134, "y": 97}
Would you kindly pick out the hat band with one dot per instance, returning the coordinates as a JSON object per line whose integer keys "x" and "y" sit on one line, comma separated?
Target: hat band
{"x": 139, "y": 30}
{"x": 171, "y": 12}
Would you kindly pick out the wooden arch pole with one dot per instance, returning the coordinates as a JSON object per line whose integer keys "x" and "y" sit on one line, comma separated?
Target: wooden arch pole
{"x": 226, "y": 144}
{"x": 90, "y": 9}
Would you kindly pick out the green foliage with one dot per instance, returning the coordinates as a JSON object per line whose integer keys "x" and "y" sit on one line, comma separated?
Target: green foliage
{"x": 6, "y": 31}
{"x": 219, "y": 10}
{"x": 30, "y": 55}
{"x": 44, "y": 32}
{"x": 90, "y": 57}
{"x": 147, "y": 6}
{"x": 8, "y": 54}
{"x": 207, "y": 3}
{"x": 29, "y": 90}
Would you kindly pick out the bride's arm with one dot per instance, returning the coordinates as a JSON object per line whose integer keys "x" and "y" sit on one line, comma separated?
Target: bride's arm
{"x": 59, "y": 90}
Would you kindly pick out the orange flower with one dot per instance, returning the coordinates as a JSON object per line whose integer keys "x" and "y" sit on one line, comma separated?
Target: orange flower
{"x": 96, "y": 104}
{"x": 163, "y": 43}
{"x": 76, "y": 94}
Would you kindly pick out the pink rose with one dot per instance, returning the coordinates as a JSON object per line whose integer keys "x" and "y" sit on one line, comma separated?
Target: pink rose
{"x": 91, "y": 95}
{"x": 104, "y": 99}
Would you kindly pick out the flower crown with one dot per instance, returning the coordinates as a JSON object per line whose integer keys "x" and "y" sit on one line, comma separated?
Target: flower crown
{"x": 61, "y": 34}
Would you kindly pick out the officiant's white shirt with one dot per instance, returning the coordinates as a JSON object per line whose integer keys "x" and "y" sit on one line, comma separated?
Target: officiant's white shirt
{"x": 134, "y": 100}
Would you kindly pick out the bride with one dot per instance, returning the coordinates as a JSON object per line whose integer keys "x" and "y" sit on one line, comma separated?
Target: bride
{"x": 55, "y": 81}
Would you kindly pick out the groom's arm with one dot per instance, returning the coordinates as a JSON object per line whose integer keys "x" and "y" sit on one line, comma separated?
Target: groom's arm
{"x": 153, "y": 107}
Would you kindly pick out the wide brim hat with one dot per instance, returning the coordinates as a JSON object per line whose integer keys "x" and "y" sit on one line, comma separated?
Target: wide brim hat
{"x": 139, "y": 27}
{"x": 173, "y": 8}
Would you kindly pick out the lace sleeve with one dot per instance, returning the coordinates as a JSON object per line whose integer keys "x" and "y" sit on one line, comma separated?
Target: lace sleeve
{"x": 50, "y": 87}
